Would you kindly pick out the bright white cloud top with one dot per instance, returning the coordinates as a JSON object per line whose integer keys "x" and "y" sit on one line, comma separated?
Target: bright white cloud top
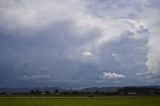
{"x": 110, "y": 75}
{"x": 87, "y": 53}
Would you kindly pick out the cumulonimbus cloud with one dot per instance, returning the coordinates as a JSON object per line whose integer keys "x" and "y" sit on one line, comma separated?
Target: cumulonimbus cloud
{"x": 73, "y": 36}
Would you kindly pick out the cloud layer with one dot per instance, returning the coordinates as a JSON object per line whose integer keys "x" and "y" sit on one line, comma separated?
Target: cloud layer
{"x": 66, "y": 43}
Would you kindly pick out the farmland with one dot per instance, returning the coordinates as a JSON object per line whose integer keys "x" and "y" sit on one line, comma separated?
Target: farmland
{"x": 81, "y": 101}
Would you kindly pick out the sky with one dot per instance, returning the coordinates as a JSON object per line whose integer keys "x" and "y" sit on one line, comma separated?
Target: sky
{"x": 79, "y": 43}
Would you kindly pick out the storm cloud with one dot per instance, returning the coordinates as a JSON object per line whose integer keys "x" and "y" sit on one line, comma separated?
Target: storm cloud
{"x": 71, "y": 43}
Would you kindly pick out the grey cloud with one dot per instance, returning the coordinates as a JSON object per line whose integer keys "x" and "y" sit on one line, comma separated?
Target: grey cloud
{"x": 117, "y": 9}
{"x": 70, "y": 43}
{"x": 25, "y": 77}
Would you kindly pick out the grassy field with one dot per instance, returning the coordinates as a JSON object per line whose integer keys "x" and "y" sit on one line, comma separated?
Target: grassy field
{"x": 81, "y": 101}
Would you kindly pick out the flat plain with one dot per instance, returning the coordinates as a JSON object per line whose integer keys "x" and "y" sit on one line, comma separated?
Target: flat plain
{"x": 81, "y": 101}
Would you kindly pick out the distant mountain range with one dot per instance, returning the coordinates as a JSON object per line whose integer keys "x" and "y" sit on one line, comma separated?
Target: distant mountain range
{"x": 99, "y": 89}
{"x": 91, "y": 89}
{"x": 20, "y": 90}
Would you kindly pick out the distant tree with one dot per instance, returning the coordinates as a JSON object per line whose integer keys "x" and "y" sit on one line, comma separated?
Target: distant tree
{"x": 47, "y": 92}
{"x": 56, "y": 91}
{"x": 32, "y": 91}
{"x": 74, "y": 92}
{"x": 38, "y": 91}
{"x": 97, "y": 91}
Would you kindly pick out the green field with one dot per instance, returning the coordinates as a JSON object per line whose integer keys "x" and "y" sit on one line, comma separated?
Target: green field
{"x": 81, "y": 101}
